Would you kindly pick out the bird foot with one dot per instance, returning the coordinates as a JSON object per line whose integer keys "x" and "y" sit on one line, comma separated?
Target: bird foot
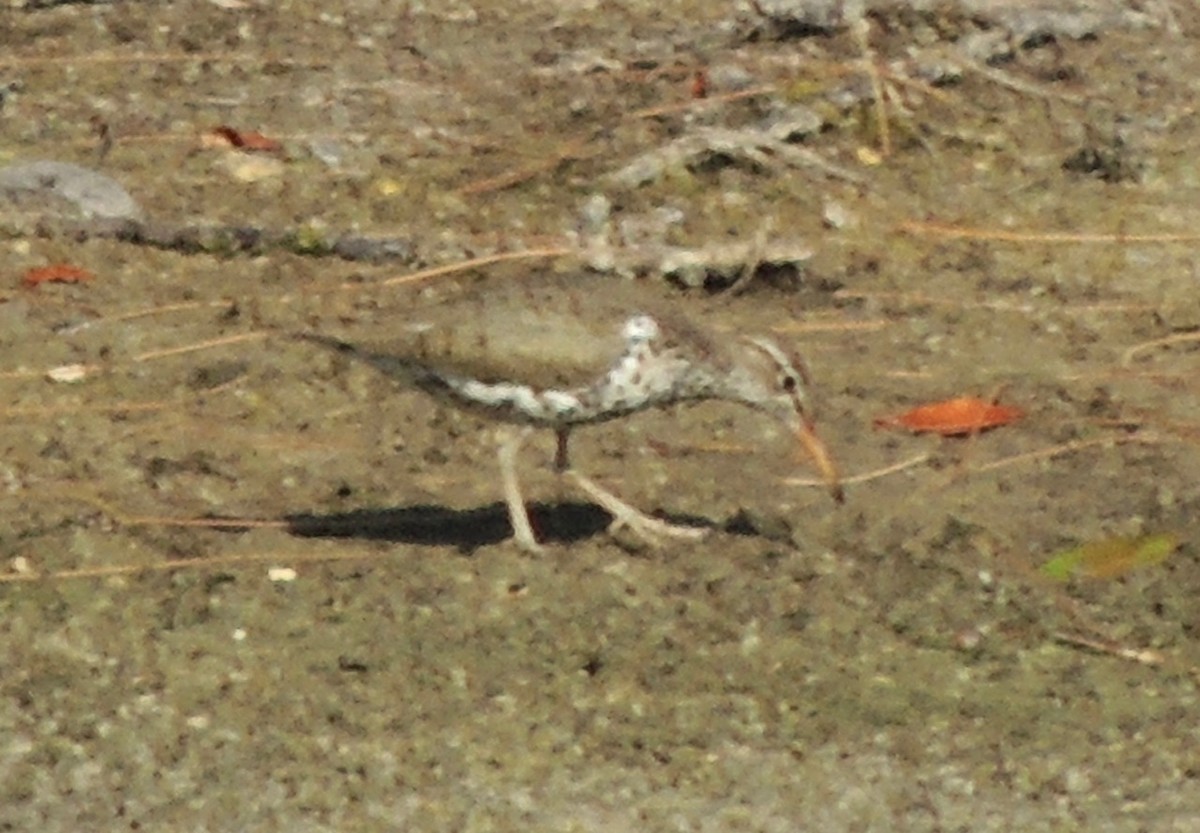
{"x": 524, "y": 538}
{"x": 649, "y": 529}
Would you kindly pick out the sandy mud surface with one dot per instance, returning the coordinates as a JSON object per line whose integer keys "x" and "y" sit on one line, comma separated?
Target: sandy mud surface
{"x": 253, "y": 587}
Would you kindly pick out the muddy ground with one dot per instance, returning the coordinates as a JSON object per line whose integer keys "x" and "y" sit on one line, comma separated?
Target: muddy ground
{"x": 895, "y": 663}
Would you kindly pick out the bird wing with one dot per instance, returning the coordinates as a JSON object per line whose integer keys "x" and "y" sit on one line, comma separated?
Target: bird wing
{"x": 529, "y": 333}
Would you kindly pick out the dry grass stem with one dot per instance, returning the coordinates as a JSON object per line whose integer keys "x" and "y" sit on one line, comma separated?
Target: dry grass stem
{"x": 948, "y": 230}
{"x": 1019, "y": 307}
{"x": 40, "y": 411}
{"x": 1142, "y": 438}
{"x": 810, "y": 482}
{"x": 184, "y": 306}
{"x": 861, "y": 29}
{"x": 201, "y": 345}
{"x": 801, "y": 327}
{"x": 224, "y": 58}
{"x": 1013, "y": 83}
{"x": 1144, "y": 656}
{"x": 1136, "y": 350}
{"x": 467, "y": 265}
{"x": 700, "y": 103}
{"x": 573, "y": 149}
{"x": 198, "y": 563}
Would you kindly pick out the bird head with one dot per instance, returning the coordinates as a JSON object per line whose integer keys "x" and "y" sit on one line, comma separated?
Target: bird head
{"x": 768, "y": 378}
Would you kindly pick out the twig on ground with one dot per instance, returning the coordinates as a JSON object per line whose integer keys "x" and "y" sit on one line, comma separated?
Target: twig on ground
{"x": 1146, "y": 346}
{"x": 1145, "y": 656}
{"x": 859, "y": 478}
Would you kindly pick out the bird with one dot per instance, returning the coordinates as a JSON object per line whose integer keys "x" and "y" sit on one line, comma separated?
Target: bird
{"x": 558, "y": 354}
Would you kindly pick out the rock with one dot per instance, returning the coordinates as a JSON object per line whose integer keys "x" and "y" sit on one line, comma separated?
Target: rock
{"x": 66, "y": 189}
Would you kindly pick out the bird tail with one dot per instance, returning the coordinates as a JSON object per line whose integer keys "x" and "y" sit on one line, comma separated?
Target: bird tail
{"x": 388, "y": 364}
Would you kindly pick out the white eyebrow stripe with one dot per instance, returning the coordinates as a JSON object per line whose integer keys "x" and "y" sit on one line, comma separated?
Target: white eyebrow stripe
{"x": 787, "y": 364}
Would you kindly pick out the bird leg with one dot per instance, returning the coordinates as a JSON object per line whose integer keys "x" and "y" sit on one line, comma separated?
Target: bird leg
{"x": 518, "y": 515}
{"x": 648, "y": 528}
{"x": 562, "y": 460}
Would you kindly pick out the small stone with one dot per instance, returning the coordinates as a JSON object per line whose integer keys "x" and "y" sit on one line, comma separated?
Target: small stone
{"x": 729, "y": 77}
{"x": 281, "y": 574}
{"x": 69, "y": 373}
{"x": 595, "y": 214}
{"x": 252, "y": 167}
{"x": 836, "y": 216}
{"x": 74, "y": 188}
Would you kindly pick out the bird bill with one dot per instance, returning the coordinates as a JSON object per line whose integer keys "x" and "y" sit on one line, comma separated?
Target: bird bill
{"x": 820, "y": 455}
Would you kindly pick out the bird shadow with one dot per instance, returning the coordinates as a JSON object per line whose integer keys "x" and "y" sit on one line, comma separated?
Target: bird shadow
{"x": 464, "y": 529}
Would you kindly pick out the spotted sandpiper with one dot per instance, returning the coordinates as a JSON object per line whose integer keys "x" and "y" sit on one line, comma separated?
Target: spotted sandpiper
{"x": 556, "y": 355}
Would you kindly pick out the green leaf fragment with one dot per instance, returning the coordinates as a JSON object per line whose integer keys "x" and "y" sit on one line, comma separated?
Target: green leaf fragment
{"x": 1111, "y": 557}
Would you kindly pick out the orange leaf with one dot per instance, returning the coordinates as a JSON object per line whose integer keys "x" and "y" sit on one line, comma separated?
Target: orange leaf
{"x": 953, "y": 417}
{"x": 241, "y": 139}
{"x": 56, "y": 273}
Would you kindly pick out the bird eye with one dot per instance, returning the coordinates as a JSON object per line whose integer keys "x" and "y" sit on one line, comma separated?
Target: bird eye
{"x": 789, "y": 384}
